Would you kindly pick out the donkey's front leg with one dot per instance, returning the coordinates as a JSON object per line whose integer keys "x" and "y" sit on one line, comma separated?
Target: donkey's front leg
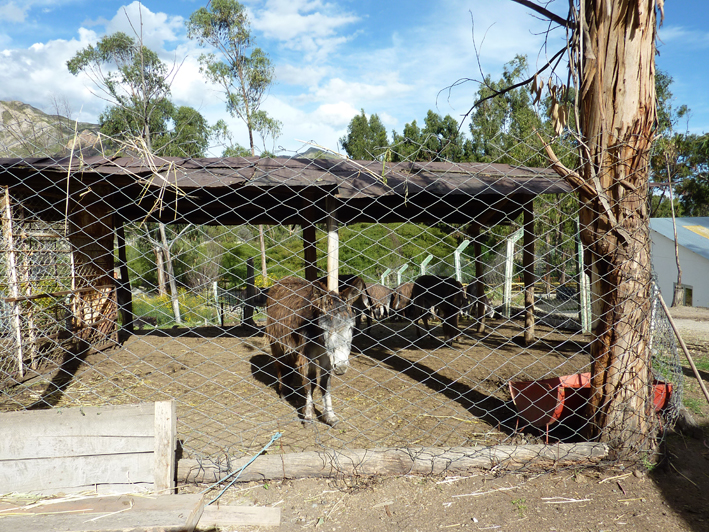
{"x": 329, "y": 416}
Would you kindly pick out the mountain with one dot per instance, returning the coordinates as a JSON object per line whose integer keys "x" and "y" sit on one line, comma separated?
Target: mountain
{"x": 315, "y": 153}
{"x": 26, "y": 131}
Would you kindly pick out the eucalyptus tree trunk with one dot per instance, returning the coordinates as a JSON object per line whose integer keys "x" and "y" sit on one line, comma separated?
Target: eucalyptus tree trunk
{"x": 616, "y": 63}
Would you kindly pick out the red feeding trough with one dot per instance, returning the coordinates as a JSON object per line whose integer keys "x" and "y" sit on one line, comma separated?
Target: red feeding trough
{"x": 543, "y": 402}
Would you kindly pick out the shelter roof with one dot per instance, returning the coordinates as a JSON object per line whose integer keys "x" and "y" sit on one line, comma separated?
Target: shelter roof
{"x": 692, "y": 232}
{"x": 239, "y": 190}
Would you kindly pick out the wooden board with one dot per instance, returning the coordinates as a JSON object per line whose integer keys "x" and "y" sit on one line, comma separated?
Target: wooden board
{"x": 135, "y": 513}
{"x": 111, "y": 449}
{"x": 223, "y": 516}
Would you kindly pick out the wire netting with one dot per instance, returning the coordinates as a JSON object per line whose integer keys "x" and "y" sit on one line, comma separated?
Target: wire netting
{"x": 144, "y": 279}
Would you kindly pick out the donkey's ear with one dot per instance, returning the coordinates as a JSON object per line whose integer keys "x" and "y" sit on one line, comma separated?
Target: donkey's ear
{"x": 351, "y": 293}
{"x": 321, "y": 299}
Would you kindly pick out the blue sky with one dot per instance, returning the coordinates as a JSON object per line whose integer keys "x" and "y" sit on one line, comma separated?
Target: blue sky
{"x": 332, "y": 57}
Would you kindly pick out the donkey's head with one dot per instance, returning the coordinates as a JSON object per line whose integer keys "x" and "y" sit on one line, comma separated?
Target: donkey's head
{"x": 337, "y": 321}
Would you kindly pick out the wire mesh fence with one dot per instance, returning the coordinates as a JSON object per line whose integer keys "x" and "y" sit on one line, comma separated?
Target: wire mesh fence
{"x": 464, "y": 313}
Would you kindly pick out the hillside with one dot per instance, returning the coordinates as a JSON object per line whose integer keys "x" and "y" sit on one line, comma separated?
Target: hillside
{"x": 29, "y": 132}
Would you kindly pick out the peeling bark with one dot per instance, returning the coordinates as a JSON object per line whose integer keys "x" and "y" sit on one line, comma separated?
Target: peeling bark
{"x": 617, "y": 116}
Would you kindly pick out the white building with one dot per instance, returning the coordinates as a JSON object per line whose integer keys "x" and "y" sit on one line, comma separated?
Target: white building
{"x": 693, "y": 239}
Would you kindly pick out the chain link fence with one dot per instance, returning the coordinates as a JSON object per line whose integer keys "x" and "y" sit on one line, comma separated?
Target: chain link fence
{"x": 144, "y": 279}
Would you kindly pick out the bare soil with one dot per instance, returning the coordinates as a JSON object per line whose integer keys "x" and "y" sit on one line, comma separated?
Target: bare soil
{"x": 670, "y": 496}
{"x": 400, "y": 393}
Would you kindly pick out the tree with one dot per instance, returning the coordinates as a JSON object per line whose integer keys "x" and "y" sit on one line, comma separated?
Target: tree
{"x": 611, "y": 57}
{"x": 244, "y": 71}
{"x": 613, "y": 65}
{"x": 366, "y": 139}
{"x": 693, "y": 190}
{"x": 440, "y": 139}
{"x": 139, "y": 84}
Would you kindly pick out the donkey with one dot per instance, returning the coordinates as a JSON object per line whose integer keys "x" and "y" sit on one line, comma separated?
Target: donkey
{"x": 442, "y": 296}
{"x": 309, "y": 328}
{"x": 477, "y": 305}
{"x": 400, "y": 299}
{"x": 357, "y": 295}
{"x": 380, "y": 297}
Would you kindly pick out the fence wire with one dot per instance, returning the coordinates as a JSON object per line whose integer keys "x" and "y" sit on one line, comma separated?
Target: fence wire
{"x": 123, "y": 282}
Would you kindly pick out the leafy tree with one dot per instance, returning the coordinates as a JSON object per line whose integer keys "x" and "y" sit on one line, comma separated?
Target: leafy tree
{"x": 440, "y": 139}
{"x": 138, "y": 86}
{"x": 366, "y": 139}
{"x": 244, "y": 71}
{"x": 135, "y": 82}
{"x": 503, "y": 127}
{"x": 693, "y": 190}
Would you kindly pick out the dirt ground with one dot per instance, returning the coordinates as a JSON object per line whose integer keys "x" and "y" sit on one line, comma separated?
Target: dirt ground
{"x": 670, "y": 496}
{"x": 398, "y": 394}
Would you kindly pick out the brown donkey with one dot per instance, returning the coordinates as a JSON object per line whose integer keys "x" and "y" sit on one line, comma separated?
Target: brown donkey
{"x": 309, "y": 328}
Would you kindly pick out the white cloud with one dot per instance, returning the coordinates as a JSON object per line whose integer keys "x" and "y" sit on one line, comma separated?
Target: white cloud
{"x": 10, "y": 12}
{"x": 156, "y": 29}
{"x": 307, "y": 75}
{"x": 37, "y": 74}
{"x": 308, "y": 26}
{"x": 357, "y": 91}
{"x": 289, "y": 20}
{"x": 336, "y": 115}
{"x": 681, "y": 36}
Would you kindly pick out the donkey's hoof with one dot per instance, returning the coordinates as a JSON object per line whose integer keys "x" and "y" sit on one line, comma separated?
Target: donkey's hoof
{"x": 330, "y": 419}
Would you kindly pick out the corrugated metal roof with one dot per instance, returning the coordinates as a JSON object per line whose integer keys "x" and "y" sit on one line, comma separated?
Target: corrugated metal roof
{"x": 692, "y": 233}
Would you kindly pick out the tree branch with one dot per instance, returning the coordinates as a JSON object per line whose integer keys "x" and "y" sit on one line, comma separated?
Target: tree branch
{"x": 511, "y": 87}
{"x": 544, "y": 12}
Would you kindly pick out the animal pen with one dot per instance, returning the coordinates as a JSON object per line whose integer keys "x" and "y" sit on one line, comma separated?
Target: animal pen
{"x": 128, "y": 280}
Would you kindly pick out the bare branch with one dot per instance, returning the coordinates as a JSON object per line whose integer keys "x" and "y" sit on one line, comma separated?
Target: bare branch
{"x": 544, "y": 12}
{"x": 557, "y": 55}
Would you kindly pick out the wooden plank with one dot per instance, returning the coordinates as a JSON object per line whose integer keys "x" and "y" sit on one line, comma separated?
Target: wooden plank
{"x": 222, "y": 516}
{"x": 8, "y": 235}
{"x": 85, "y": 427}
{"x": 72, "y": 445}
{"x": 415, "y": 460}
{"x": 135, "y": 513}
{"x": 108, "y": 449}
{"x": 165, "y": 445}
{"x": 124, "y": 472}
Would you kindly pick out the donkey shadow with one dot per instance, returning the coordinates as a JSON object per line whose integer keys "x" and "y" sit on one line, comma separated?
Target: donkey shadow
{"x": 263, "y": 369}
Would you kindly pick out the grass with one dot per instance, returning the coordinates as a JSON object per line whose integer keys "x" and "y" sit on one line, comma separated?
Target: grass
{"x": 520, "y": 505}
{"x": 693, "y": 404}
{"x": 195, "y": 310}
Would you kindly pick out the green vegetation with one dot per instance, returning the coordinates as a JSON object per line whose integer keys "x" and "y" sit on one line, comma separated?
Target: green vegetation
{"x": 243, "y": 70}
{"x": 197, "y": 309}
{"x": 139, "y": 93}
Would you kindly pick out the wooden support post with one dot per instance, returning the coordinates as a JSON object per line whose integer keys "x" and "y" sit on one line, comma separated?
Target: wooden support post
{"x": 424, "y": 264}
{"x": 13, "y": 280}
{"x": 584, "y": 284}
{"x": 123, "y": 291}
{"x": 333, "y": 245}
{"x": 250, "y": 293}
{"x": 310, "y": 250}
{"x": 399, "y": 274}
{"x": 529, "y": 277}
{"x": 170, "y": 275}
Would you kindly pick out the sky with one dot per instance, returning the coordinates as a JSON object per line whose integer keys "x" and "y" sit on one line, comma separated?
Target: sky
{"x": 332, "y": 58}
